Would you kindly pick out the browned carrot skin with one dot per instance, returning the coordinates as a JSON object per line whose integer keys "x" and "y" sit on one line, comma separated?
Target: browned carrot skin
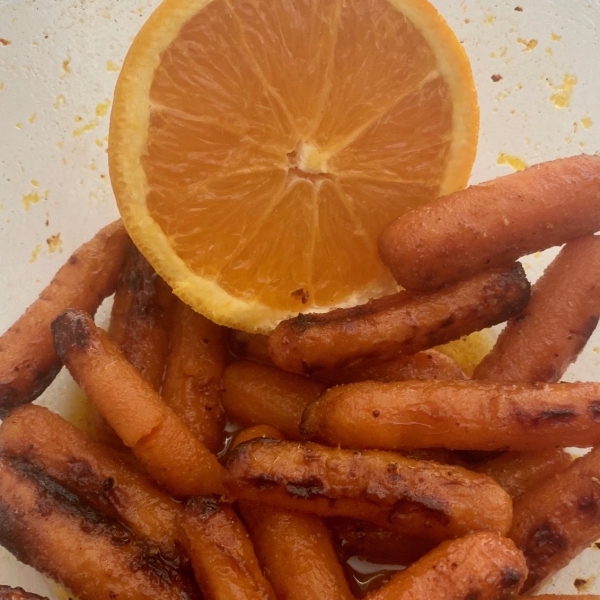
{"x": 375, "y": 544}
{"x": 11, "y": 593}
{"x": 255, "y": 394}
{"x": 141, "y": 317}
{"x": 195, "y": 366}
{"x": 398, "y": 325}
{"x": 479, "y": 565}
{"x": 458, "y": 415}
{"x": 429, "y": 364}
{"x": 517, "y": 472}
{"x": 92, "y": 556}
{"x": 28, "y": 363}
{"x": 221, "y": 552}
{"x": 51, "y": 444}
{"x": 453, "y": 238}
{"x": 249, "y": 346}
{"x": 418, "y": 498}
{"x": 168, "y": 450}
{"x": 545, "y": 338}
{"x": 557, "y": 519}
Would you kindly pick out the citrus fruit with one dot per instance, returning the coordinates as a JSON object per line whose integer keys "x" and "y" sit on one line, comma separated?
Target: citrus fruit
{"x": 258, "y": 147}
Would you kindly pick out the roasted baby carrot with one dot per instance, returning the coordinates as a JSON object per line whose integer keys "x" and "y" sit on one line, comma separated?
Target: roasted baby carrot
{"x": 221, "y": 552}
{"x": 28, "y": 362}
{"x": 429, "y": 364}
{"x": 255, "y": 394}
{"x": 249, "y": 346}
{"x": 517, "y": 472}
{"x": 419, "y": 498}
{"x": 195, "y": 366}
{"x": 397, "y": 325}
{"x": 93, "y": 557}
{"x": 458, "y": 415}
{"x": 540, "y": 343}
{"x": 169, "y": 451}
{"x": 140, "y": 319}
{"x": 51, "y": 444}
{"x": 493, "y": 224}
{"x": 479, "y": 565}
{"x": 557, "y": 519}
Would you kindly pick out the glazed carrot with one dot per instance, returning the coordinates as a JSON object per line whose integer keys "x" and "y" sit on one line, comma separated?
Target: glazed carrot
{"x": 294, "y": 549}
{"x": 169, "y": 451}
{"x": 479, "y": 565}
{"x": 28, "y": 363}
{"x": 51, "y": 444}
{"x": 10, "y": 593}
{"x": 249, "y": 346}
{"x": 452, "y": 238}
{"x": 557, "y": 519}
{"x": 195, "y": 366}
{"x": 375, "y": 544}
{"x": 397, "y": 325}
{"x": 141, "y": 317}
{"x": 255, "y": 394}
{"x": 517, "y": 472}
{"x": 545, "y": 338}
{"x": 221, "y": 552}
{"x": 91, "y": 556}
{"x": 429, "y": 364}
{"x": 419, "y": 498}
{"x": 459, "y": 415}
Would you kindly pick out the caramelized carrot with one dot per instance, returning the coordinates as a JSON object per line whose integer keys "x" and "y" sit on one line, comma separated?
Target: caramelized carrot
{"x": 28, "y": 363}
{"x": 10, "y": 593}
{"x": 169, "y": 451}
{"x": 249, "y": 346}
{"x": 94, "y": 557}
{"x": 255, "y": 394}
{"x": 540, "y": 343}
{"x": 557, "y": 519}
{"x": 479, "y": 565}
{"x": 453, "y": 237}
{"x": 459, "y": 415}
{"x": 51, "y": 444}
{"x": 419, "y": 498}
{"x": 397, "y": 325}
{"x": 221, "y": 552}
{"x": 194, "y": 369}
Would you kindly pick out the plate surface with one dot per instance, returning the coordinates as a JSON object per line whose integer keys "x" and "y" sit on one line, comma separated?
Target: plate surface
{"x": 537, "y": 69}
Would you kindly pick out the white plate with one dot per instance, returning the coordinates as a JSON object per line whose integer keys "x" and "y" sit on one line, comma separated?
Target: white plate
{"x": 59, "y": 61}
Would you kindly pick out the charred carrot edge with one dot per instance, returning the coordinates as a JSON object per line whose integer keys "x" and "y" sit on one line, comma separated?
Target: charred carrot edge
{"x": 540, "y": 343}
{"x": 28, "y": 363}
{"x": 255, "y": 394}
{"x": 428, "y": 364}
{"x": 195, "y": 364}
{"x": 51, "y": 444}
{"x": 18, "y": 593}
{"x": 458, "y": 415}
{"x": 398, "y": 325}
{"x": 419, "y": 498}
{"x": 169, "y": 451}
{"x": 452, "y": 238}
{"x": 479, "y": 565}
{"x": 517, "y": 472}
{"x": 558, "y": 518}
{"x": 249, "y": 346}
{"x": 141, "y": 315}
{"x": 221, "y": 552}
{"x": 42, "y": 525}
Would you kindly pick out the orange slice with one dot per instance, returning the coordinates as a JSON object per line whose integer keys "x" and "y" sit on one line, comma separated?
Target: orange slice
{"x": 258, "y": 147}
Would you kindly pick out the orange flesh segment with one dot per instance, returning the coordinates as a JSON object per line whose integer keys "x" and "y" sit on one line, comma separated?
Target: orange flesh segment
{"x": 284, "y": 136}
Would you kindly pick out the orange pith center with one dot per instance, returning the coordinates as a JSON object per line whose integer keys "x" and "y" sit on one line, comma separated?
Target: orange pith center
{"x": 284, "y": 135}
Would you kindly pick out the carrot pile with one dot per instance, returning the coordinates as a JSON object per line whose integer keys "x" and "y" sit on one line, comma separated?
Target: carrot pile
{"x": 360, "y": 439}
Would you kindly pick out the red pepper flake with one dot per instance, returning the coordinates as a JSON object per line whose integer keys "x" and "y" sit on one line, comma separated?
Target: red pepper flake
{"x": 496, "y": 78}
{"x": 302, "y": 294}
